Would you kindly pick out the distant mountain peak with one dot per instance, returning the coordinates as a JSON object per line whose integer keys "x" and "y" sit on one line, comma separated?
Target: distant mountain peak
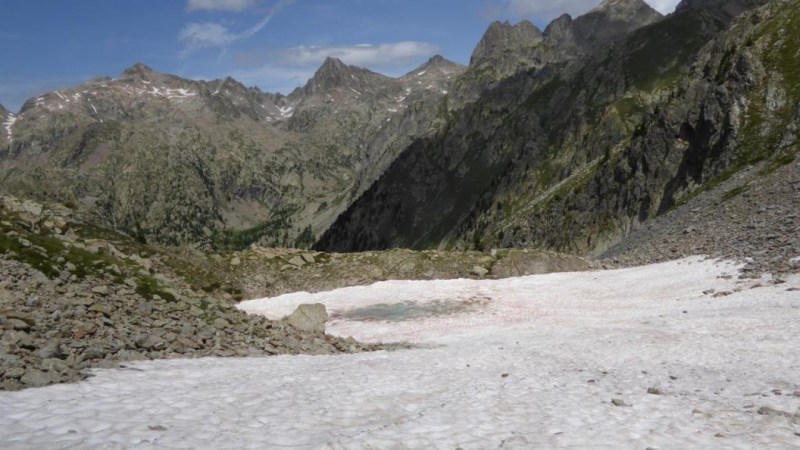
{"x": 138, "y": 71}
{"x": 625, "y": 9}
{"x": 335, "y": 74}
{"x": 437, "y": 63}
{"x": 607, "y": 5}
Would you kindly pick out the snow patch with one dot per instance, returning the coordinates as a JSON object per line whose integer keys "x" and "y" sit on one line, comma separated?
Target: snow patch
{"x": 286, "y": 112}
{"x": 534, "y": 362}
{"x": 422, "y": 73}
{"x": 8, "y": 124}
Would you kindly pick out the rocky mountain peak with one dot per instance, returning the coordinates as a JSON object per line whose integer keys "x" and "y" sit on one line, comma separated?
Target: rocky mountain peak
{"x": 331, "y": 74}
{"x": 613, "y": 19}
{"x": 335, "y": 74}
{"x": 502, "y": 36}
{"x": 3, "y": 110}
{"x": 138, "y": 71}
{"x": 615, "y": 6}
{"x": 561, "y": 30}
{"x": 437, "y": 65}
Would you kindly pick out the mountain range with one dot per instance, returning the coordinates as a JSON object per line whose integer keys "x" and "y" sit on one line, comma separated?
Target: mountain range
{"x": 568, "y": 138}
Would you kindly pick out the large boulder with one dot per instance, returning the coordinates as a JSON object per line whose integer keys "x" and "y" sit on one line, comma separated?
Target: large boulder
{"x": 309, "y": 317}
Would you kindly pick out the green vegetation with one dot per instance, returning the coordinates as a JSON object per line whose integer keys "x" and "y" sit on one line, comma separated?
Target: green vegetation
{"x": 276, "y": 230}
{"x": 735, "y": 192}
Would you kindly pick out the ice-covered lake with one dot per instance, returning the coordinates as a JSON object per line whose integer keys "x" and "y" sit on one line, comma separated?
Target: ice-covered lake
{"x": 530, "y": 362}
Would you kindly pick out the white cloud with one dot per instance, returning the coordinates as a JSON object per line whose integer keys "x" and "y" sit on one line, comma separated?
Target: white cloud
{"x": 220, "y": 5}
{"x": 364, "y": 55}
{"x": 204, "y": 35}
{"x": 285, "y": 70}
{"x": 196, "y": 36}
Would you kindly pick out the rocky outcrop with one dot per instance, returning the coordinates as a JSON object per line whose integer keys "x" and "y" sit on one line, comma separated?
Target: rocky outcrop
{"x": 501, "y": 38}
{"x": 69, "y": 303}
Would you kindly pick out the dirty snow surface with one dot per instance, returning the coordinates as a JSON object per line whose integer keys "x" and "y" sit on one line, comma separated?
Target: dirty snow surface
{"x": 531, "y": 362}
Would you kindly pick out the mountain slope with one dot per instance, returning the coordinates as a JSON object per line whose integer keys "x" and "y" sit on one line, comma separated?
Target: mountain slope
{"x": 593, "y": 150}
{"x": 173, "y": 161}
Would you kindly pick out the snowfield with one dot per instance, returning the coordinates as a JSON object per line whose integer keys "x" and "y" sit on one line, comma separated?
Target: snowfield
{"x": 532, "y": 362}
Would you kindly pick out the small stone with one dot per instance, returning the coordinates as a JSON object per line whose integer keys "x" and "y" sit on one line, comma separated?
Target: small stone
{"x": 297, "y": 261}
{"x": 100, "y": 290}
{"x": 157, "y": 427}
{"x": 15, "y": 324}
{"x": 719, "y": 435}
{"x": 36, "y": 378}
{"x": 618, "y": 402}
{"x": 81, "y": 332}
{"x": 770, "y": 411}
{"x": 308, "y": 257}
{"x": 25, "y": 243}
{"x": 654, "y": 391}
{"x": 27, "y": 318}
{"x": 235, "y": 261}
{"x": 480, "y": 271}
{"x": 505, "y": 375}
{"x": 14, "y": 372}
{"x": 709, "y": 291}
{"x": 98, "y": 308}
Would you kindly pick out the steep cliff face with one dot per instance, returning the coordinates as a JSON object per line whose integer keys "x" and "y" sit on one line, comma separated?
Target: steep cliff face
{"x": 173, "y": 161}
{"x": 573, "y": 159}
{"x": 507, "y": 49}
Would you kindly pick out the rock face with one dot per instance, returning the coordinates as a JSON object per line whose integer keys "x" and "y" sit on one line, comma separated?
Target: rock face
{"x": 502, "y": 37}
{"x": 507, "y": 49}
{"x": 575, "y": 158}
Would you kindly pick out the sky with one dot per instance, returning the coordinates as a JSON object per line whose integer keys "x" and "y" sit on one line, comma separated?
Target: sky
{"x": 276, "y": 45}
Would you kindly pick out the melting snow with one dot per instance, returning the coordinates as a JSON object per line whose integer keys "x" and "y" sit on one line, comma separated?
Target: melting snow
{"x": 286, "y": 112}
{"x": 8, "y": 124}
{"x": 530, "y": 362}
{"x": 422, "y": 73}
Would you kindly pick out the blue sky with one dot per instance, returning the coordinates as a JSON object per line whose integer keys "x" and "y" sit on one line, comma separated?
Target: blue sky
{"x": 273, "y": 44}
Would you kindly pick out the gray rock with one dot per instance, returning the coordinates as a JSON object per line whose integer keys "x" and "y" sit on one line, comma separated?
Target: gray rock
{"x": 37, "y": 378}
{"x": 309, "y": 317}
{"x": 297, "y": 261}
{"x": 480, "y": 271}
{"x": 618, "y": 402}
